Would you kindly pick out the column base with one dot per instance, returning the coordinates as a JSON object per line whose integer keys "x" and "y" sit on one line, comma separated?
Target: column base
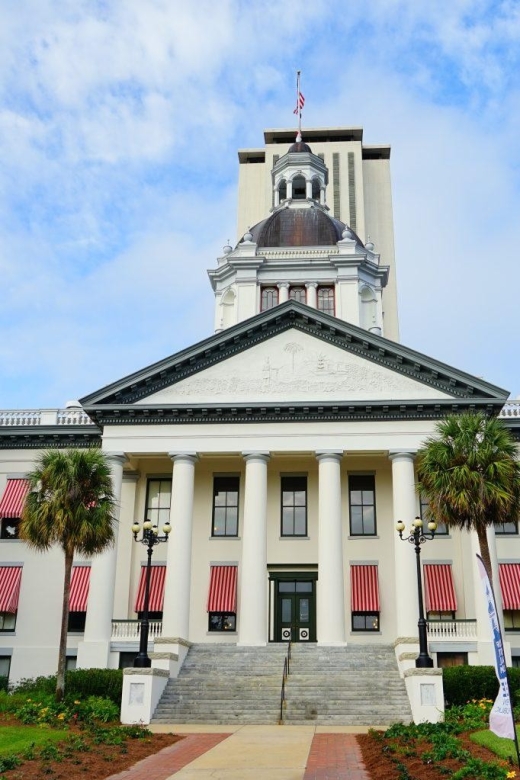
{"x": 142, "y": 689}
{"x": 93, "y": 655}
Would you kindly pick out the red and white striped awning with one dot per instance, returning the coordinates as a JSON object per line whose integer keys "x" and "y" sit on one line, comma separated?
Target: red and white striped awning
{"x": 10, "y": 581}
{"x": 157, "y": 577}
{"x": 79, "y": 586}
{"x": 13, "y": 499}
{"x": 438, "y": 588}
{"x": 222, "y": 595}
{"x": 364, "y": 588}
{"x": 509, "y": 575}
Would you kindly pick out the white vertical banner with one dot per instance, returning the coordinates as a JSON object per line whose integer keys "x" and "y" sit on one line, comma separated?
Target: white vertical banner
{"x": 501, "y": 716}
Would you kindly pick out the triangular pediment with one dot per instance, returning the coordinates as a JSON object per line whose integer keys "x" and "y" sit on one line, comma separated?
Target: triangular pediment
{"x": 294, "y": 366}
{"x": 291, "y": 354}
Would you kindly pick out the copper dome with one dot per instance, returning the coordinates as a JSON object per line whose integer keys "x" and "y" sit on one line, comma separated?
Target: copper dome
{"x": 300, "y": 146}
{"x": 298, "y": 227}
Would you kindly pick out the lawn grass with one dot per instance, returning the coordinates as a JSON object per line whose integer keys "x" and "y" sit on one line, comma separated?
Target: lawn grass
{"x": 15, "y": 739}
{"x": 504, "y": 748}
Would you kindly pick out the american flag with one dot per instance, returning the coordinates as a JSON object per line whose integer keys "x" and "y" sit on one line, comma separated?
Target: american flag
{"x": 300, "y": 103}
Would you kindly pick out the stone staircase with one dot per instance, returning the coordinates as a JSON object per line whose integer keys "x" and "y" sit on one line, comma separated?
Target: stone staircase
{"x": 221, "y": 683}
{"x": 357, "y": 685}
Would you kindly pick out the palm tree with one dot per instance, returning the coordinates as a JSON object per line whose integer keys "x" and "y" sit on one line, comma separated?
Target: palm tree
{"x": 470, "y": 475}
{"x": 70, "y": 504}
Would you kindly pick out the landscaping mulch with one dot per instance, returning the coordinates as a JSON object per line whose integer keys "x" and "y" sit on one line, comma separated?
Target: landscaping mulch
{"x": 380, "y": 763}
{"x": 98, "y": 763}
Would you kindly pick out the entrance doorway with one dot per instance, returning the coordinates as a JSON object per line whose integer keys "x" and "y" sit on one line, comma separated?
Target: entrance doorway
{"x": 295, "y": 608}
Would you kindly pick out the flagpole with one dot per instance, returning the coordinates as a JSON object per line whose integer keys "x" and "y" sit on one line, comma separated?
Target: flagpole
{"x": 299, "y": 136}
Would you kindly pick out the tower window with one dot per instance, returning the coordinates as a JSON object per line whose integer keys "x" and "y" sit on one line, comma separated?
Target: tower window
{"x": 326, "y": 300}
{"x": 282, "y": 190}
{"x": 298, "y": 188}
{"x": 269, "y": 298}
{"x": 298, "y": 294}
{"x": 315, "y": 189}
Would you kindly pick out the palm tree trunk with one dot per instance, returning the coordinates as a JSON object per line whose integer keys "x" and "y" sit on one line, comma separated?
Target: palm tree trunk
{"x": 62, "y": 653}
{"x": 484, "y": 552}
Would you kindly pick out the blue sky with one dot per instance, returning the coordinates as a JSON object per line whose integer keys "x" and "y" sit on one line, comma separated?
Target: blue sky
{"x": 119, "y": 126}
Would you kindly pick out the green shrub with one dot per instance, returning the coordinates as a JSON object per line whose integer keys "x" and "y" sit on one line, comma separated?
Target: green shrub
{"x": 468, "y": 683}
{"x": 96, "y": 709}
{"x": 4, "y": 683}
{"x": 106, "y": 683}
{"x": 79, "y": 684}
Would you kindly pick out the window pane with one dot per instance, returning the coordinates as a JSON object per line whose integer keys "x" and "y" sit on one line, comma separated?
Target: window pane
{"x": 300, "y": 521}
{"x": 153, "y": 493}
{"x": 356, "y": 520}
{"x": 9, "y": 528}
{"x": 300, "y": 498}
{"x": 287, "y": 498}
{"x": 358, "y": 622}
{"x": 304, "y": 587}
{"x": 355, "y": 497}
{"x": 286, "y": 587}
{"x": 286, "y": 610}
{"x": 298, "y": 294}
{"x": 232, "y": 498}
{"x": 304, "y": 610}
{"x": 367, "y": 497}
{"x": 215, "y": 622}
{"x": 369, "y": 525}
{"x": 219, "y": 521}
{"x": 287, "y": 521}
{"x": 232, "y": 521}
{"x": 230, "y": 622}
{"x": 5, "y": 663}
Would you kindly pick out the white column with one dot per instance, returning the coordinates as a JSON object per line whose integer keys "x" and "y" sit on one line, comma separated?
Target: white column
{"x": 252, "y": 618}
{"x": 322, "y": 196}
{"x": 289, "y": 190}
{"x": 312, "y": 294}
{"x": 283, "y": 292}
{"x": 331, "y": 589}
{"x": 405, "y": 509}
{"x": 176, "y": 610}
{"x": 276, "y": 197}
{"x": 94, "y": 650}
{"x": 308, "y": 188}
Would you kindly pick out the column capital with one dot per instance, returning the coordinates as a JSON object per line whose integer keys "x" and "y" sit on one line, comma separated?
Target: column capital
{"x": 311, "y": 284}
{"x": 265, "y": 457}
{"x": 329, "y": 455}
{"x": 189, "y": 457}
{"x": 116, "y": 457}
{"x": 402, "y": 454}
{"x": 285, "y": 285}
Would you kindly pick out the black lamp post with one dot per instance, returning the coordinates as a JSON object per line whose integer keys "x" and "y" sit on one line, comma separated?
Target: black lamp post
{"x": 418, "y": 537}
{"x": 149, "y": 538}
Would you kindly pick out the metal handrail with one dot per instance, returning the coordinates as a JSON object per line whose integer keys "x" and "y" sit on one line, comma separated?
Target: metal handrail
{"x": 286, "y": 670}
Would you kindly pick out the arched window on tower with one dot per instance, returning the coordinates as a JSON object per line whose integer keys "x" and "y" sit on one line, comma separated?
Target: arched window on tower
{"x": 298, "y": 293}
{"x": 228, "y": 309}
{"x": 282, "y": 190}
{"x": 315, "y": 188}
{"x": 298, "y": 188}
{"x": 326, "y": 300}
{"x": 268, "y": 298}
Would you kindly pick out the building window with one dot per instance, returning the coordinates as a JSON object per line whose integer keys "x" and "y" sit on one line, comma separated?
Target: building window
{"x": 158, "y": 500}
{"x": 298, "y": 294}
{"x": 444, "y": 615}
{"x": 365, "y": 621}
{"x": 512, "y": 620}
{"x": 362, "y": 503}
{"x": 5, "y": 665}
{"x": 9, "y": 528}
{"x": 442, "y": 528}
{"x": 70, "y": 662}
{"x": 294, "y": 506}
{"x": 282, "y": 190}
{"x": 515, "y": 661}
{"x": 326, "y": 300}
{"x": 157, "y": 615}
{"x": 76, "y": 624}
{"x": 268, "y": 298}
{"x": 510, "y": 527}
{"x": 222, "y": 621}
{"x": 316, "y": 188}
{"x": 7, "y": 621}
{"x": 445, "y": 660}
{"x": 225, "y": 506}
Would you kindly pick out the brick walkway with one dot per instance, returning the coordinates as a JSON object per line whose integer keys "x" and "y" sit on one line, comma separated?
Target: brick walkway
{"x": 335, "y": 757}
{"x": 171, "y": 759}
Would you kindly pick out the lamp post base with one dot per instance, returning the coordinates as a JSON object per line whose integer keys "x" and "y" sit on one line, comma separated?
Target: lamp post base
{"x": 142, "y": 662}
{"x": 422, "y": 662}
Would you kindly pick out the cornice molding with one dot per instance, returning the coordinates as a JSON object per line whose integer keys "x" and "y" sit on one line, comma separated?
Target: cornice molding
{"x": 56, "y": 436}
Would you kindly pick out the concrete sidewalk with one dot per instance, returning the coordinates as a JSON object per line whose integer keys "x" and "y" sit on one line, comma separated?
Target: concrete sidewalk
{"x": 254, "y": 753}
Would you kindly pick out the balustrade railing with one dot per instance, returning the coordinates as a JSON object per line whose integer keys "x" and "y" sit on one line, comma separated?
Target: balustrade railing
{"x": 14, "y": 418}
{"x": 128, "y": 630}
{"x": 452, "y": 630}
{"x": 510, "y": 409}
